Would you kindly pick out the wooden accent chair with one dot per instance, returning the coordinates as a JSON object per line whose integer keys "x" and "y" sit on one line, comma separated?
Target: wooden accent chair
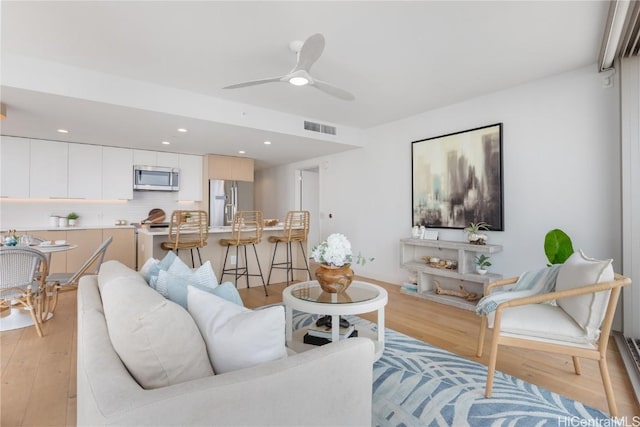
{"x": 188, "y": 229}
{"x": 56, "y": 281}
{"x": 246, "y": 229}
{"x": 296, "y": 229}
{"x": 530, "y": 323}
{"x": 22, "y": 280}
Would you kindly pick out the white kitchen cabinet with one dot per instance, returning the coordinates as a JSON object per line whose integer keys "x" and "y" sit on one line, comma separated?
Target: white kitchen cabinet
{"x": 144, "y": 158}
{"x": 117, "y": 173}
{"x": 190, "y": 177}
{"x": 14, "y": 167}
{"x": 48, "y": 169}
{"x": 85, "y": 171}
{"x": 155, "y": 158}
{"x": 167, "y": 160}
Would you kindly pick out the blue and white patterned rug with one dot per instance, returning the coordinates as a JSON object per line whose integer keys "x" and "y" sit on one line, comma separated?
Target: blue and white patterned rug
{"x": 417, "y": 384}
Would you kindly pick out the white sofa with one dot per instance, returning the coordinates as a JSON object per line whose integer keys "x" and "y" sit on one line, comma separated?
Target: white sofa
{"x": 328, "y": 385}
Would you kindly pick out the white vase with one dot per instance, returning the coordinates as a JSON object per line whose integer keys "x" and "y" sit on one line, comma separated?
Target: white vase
{"x": 481, "y": 271}
{"x": 72, "y": 222}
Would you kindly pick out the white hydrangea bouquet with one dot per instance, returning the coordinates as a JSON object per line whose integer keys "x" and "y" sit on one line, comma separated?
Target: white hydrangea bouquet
{"x": 336, "y": 251}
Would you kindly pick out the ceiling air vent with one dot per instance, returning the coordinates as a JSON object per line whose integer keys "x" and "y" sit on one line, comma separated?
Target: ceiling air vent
{"x": 318, "y": 127}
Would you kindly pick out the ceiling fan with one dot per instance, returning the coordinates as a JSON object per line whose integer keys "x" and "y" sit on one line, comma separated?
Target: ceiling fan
{"x": 308, "y": 53}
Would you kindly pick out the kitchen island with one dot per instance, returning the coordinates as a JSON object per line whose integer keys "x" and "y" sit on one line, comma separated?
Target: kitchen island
{"x": 150, "y": 239}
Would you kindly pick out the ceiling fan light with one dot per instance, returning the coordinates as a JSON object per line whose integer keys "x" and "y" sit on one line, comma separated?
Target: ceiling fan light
{"x": 298, "y": 81}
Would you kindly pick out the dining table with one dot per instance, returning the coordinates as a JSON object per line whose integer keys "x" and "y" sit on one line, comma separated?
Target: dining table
{"x": 17, "y": 317}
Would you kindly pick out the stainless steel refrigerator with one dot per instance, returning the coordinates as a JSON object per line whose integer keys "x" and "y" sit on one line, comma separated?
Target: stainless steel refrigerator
{"x": 226, "y": 198}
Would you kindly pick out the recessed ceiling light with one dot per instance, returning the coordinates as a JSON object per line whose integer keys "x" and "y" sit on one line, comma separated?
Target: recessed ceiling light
{"x": 63, "y": 131}
{"x": 241, "y": 152}
{"x": 183, "y": 130}
{"x": 166, "y": 143}
{"x": 267, "y": 143}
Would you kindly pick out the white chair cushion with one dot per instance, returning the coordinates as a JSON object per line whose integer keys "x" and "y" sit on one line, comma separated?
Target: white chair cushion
{"x": 542, "y": 321}
{"x": 237, "y": 337}
{"x": 587, "y": 310}
{"x": 156, "y": 339}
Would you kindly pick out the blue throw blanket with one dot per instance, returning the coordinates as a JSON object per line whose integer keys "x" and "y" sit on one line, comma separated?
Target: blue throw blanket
{"x": 529, "y": 283}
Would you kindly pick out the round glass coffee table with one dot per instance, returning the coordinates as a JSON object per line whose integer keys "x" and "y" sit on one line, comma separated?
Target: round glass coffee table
{"x": 360, "y": 297}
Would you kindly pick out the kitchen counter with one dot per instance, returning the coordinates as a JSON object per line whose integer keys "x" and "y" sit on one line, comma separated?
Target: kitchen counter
{"x": 149, "y": 240}
{"x": 217, "y": 229}
{"x": 68, "y": 228}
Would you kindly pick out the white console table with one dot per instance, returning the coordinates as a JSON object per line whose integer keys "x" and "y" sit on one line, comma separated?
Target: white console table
{"x": 412, "y": 251}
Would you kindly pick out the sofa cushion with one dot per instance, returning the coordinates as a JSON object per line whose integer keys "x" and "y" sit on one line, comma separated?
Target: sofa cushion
{"x": 156, "y": 339}
{"x": 587, "y": 310}
{"x": 115, "y": 270}
{"x": 237, "y": 337}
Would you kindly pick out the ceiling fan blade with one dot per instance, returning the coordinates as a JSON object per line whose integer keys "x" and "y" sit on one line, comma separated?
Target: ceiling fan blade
{"x": 310, "y": 52}
{"x": 332, "y": 90}
{"x": 254, "y": 82}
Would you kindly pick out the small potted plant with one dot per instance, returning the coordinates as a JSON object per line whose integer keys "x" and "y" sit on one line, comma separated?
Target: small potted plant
{"x": 72, "y": 218}
{"x": 474, "y": 234}
{"x": 482, "y": 263}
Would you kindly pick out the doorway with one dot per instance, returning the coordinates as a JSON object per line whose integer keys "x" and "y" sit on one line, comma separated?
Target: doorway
{"x": 308, "y": 199}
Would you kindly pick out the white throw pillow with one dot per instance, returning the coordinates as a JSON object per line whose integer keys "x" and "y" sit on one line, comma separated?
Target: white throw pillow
{"x": 587, "y": 310}
{"x": 156, "y": 339}
{"x": 237, "y": 337}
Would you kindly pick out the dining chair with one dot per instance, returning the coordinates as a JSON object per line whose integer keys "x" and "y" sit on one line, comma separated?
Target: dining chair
{"x": 246, "y": 229}
{"x": 56, "y": 281}
{"x": 21, "y": 283}
{"x": 578, "y": 325}
{"x": 188, "y": 229}
{"x": 296, "y": 229}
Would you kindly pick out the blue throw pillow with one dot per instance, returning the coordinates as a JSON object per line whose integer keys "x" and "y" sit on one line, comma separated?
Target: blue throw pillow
{"x": 176, "y": 289}
{"x": 164, "y": 264}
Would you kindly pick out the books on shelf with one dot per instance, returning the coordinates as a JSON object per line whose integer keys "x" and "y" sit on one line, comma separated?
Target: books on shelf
{"x": 310, "y": 339}
{"x": 325, "y": 331}
{"x": 412, "y": 287}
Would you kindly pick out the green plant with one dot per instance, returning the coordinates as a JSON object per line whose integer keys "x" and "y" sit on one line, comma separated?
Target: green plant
{"x": 557, "y": 246}
{"x": 475, "y": 227}
{"x": 73, "y": 215}
{"x": 473, "y": 232}
{"x": 482, "y": 261}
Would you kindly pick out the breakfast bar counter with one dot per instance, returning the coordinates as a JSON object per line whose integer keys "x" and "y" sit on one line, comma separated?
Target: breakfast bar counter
{"x": 150, "y": 239}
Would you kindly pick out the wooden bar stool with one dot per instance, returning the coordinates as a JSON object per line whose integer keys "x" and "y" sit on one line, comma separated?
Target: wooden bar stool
{"x": 296, "y": 229}
{"x": 188, "y": 229}
{"x": 246, "y": 229}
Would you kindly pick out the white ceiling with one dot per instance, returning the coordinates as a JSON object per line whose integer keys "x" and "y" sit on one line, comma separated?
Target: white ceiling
{"x": 397, "y": 58}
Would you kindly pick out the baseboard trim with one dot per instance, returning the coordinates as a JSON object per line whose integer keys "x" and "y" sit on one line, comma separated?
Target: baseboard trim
{"x": 629, "y": 363}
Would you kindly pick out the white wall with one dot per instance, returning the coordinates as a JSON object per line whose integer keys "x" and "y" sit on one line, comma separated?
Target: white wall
{"x": 561, "y": 155}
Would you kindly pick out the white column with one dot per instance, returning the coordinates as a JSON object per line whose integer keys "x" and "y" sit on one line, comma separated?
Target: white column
{"x": 630, "y": 153}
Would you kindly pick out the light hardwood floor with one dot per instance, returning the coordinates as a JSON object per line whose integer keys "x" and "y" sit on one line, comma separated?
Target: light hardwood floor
{"x": 39, "y": 374}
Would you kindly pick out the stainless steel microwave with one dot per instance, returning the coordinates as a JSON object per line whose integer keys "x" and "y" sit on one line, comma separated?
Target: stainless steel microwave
{"x": 156, "y": 178}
